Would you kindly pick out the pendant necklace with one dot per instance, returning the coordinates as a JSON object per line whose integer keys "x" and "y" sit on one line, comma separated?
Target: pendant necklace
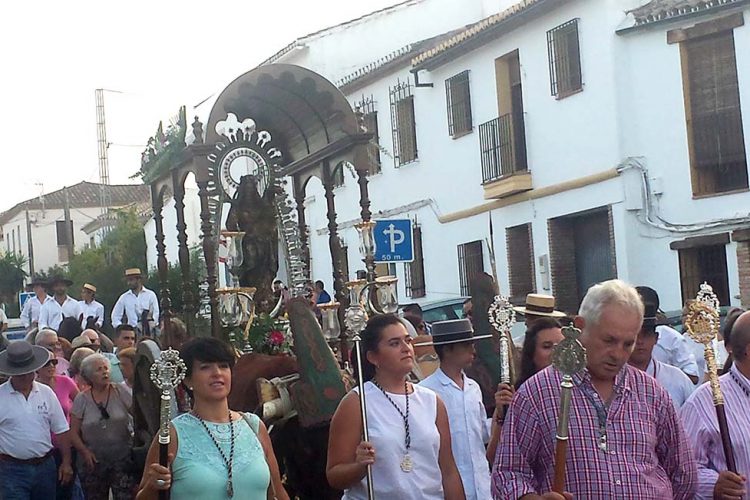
{"x": 406, "y": 463}
{"x": 227, "y": 462}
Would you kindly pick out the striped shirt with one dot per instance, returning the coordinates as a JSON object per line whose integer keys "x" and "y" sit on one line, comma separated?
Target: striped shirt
{"x": 699, "y": 417}
{"x": 644, "y": 454}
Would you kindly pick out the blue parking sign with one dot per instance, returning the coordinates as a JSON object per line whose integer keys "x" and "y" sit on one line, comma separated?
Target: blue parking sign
{"x": 23, "y": 297}
{"x": 393, "y": 241}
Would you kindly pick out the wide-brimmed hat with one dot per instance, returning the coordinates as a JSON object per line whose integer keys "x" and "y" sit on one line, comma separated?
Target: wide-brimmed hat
{"x": 21, "y": 358}
{"x": 453, "y": 331}
{"x": 37, "y": 281}
{"x": 82, "y": 341}
{"x": 89, "y": 287}
{"x": 648, "y": 295}
{"x": 133, "y": 272}
{"x": 59, "y": 279}
{"x": 649, "y": 316}
{"x": 538, "y": 304}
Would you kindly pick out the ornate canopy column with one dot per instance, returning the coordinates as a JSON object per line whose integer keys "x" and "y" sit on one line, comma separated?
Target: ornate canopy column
{"x": 188, "y": 298}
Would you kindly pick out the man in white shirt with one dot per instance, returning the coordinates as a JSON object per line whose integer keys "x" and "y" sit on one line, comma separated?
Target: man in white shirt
{"x": 90, "y": 308}
{"x": 671, "y": 378}
{"x": 470, "y": 428}
{"x": 29, "y": 414}
{"x": 672, "y": 347}
{"x": 33, "y": 305}
{"x": 132, "y": 304}
{"x": 61, "y": 306}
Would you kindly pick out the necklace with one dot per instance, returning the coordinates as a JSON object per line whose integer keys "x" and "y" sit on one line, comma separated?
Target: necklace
{"x": 227, "y": 462}
{"x": 406, "y": 464}
{"x": 102, "y": 407}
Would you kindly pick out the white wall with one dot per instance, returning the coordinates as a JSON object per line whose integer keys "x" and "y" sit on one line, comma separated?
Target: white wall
{"x": 631, "y": 106}
{"x": 340, "y": 51}
{"x": 44, "y": 234}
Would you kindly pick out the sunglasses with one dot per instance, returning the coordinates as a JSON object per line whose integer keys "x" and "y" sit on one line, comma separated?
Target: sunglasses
{"x": 103, "y": 411}
{"x": 52, "y": 362}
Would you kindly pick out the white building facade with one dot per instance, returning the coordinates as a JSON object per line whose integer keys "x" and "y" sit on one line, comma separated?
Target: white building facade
{"x": 587, "y": 135}
{"x": 36, "y": 228}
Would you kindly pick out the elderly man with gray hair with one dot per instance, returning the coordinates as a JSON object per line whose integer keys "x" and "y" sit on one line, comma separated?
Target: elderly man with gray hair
{"x": 625, "y": 438}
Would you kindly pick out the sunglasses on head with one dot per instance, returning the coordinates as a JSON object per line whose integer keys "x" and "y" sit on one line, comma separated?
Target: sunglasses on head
{"x": 52, "y": 362}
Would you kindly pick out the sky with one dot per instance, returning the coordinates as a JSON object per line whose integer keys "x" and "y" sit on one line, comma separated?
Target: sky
{"x": 156, "y": 54}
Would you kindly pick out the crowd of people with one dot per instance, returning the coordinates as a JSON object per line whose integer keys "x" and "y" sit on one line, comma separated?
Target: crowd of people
{"x": 642, "y": 418}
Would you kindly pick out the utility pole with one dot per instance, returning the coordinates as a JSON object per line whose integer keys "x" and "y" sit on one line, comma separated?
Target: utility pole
{"x": 68, "y": 224}
{"x": 29, "y": 244}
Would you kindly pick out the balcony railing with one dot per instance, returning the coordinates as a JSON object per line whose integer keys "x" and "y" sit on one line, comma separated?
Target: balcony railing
{"x": 502, "y": 144}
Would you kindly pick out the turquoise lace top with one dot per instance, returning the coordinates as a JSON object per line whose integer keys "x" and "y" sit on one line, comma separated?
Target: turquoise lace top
{"x": 198, "y": 470}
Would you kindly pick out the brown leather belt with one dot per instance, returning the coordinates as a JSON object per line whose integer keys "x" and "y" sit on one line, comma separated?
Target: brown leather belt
{"x": 30, "y": 461}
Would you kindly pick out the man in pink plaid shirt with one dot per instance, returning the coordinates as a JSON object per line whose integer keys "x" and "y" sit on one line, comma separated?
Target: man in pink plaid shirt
{"x": 626, "y": 440}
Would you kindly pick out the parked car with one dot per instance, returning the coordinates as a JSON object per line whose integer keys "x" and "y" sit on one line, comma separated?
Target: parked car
{"x": 446, "y": 309}
{"x": 15, "y": 331}
{"x": 442, "y": 310}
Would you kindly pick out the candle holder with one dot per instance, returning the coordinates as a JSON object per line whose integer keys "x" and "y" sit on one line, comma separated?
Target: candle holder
{"x": 237, "y": 308}
{"x": 331, "y": 327}
{"x": 387, "y": 294}
{"x": 235, "y": 254}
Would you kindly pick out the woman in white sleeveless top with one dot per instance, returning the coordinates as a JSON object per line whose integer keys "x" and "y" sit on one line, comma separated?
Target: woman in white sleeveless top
{"x": 410, "y": 444}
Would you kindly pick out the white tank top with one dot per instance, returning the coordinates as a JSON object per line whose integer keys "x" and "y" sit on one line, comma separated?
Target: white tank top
{"x": 387, "y": 435}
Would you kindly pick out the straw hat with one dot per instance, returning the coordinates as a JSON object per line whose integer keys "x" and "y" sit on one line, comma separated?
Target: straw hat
{"x": 133, "y": 272}
{"x": 89, "y": 287}
{"x": 452, "y": 332}
{"x": 21, "y": 358}
{"x": 539, "y": 305}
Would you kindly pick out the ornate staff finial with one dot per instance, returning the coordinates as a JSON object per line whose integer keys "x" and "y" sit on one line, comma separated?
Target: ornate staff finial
{"x": 502, "y": 317}
{"x": 569, "y": 357}
{"x": 702, "y": 323}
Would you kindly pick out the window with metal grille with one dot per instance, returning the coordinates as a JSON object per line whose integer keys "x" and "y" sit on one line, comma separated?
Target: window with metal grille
{"x": 414, "y": 271}
{"x": 370, "y": 118}
{"x": 470, "y": 264}
{"x": 714, "y": 118}
{"x": 564, "y": 59}
{"x": 403, "y": 124}
{"x": 707, "y": 263}
{"x": 520, "y": 260}
{"x": 458, "y": 100}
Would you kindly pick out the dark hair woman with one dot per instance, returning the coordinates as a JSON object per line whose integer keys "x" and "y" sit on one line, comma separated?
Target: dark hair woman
{"x": 410, "y": 445}
{"x": 541, "y": 337}
{"x": 726, "y": 334}
{"x": 215, "y": 452}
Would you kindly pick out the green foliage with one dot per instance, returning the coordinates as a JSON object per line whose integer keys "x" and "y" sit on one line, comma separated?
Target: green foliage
{"x": 267, "y": 335}
{"x": 123, "y": 247}
{"x": 12, "y": 276}
{"x": 163, "y": 149}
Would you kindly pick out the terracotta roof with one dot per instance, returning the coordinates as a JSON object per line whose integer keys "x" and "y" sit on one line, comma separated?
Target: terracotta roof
{"x": 390, "y": 62}
{"x": 472, "y": 36}
{"x": 299, "y": 42}
{"x": 83, "y": 195}
{"x": 664, "y": 10}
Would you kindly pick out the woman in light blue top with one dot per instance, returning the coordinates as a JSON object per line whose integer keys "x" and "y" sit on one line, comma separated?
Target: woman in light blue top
{"x": 215, "y": 453}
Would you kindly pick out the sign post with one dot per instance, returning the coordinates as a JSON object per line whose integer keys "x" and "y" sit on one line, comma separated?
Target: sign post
{"x": 393, "y": 241}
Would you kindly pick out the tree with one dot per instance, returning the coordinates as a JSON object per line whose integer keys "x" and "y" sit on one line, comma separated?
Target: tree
{"x": 12, "y": 276}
